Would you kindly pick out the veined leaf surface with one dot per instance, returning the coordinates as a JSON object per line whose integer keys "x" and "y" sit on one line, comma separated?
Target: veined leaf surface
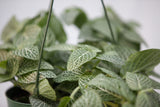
{"x": 89, "y": 99}
{"x": 141, "y": 61}
{"x": 29, "y": 53}
{"x": 112, "y": 86}
{"x": 79, "y": 57}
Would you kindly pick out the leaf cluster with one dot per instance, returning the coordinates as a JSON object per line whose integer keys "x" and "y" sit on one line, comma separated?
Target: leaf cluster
{"x": 94, "y": 73}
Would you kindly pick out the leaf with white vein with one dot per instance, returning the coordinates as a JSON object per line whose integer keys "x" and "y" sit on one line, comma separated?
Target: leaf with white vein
{"x": 89, "y": 99}
{"x": 109, "y": 73}
{"x": 35, "y": 102}
{"x": 141, "y": 61}
{"x": 80, "y": 56}
{"x": 112, "y": 86}
{"x": 68, "y": 76}
{"x": 28, "y": 52}
{"x": 29, "y": 65}
{"x": 45, "y": 89}
{"x": 148, "y": 98}
{"x": 29, "y": 78}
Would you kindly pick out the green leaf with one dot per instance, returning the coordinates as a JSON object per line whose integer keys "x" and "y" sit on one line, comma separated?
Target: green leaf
{"x": 112, "y": 57}
{"x": 58, "y": 30}
{"x": 28, "y": 65}
{"x": 74, "y": 16}
{"x": 100, "y": 25}
{"x": 35, "y": 102}
{"x": 64, "y": 102}
{"x": 28, "y": 52}
{"x": 84, "y": 80}
{"x": 138, "y": 81}
{"x": 68, "y": 76}
{"x": 80, "y": 56}
{"x": 112, "y": 86}
{"x": 29, "y": 78}
{"x": 10, "y": 29}
{"x": 28, "y": 37}
{"x": 48, "y": 74}
{"x": 122, "y": 51}
{"x": 88, "y": 34}
{"x": 147, "y": 98}
{"x": 67, "y": 86}
{"x": 12, "y": 66}
{"x": 133, "y": 36}
{"x": 109, "y": 73}
{"x": 44, "y": 88}
{"x": 141, "y": 61}
{"x": 89, "y": 99}
{"x": 61, "y": 47}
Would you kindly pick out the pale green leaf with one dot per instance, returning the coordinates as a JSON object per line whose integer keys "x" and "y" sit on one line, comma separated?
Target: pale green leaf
{"x": 80, "y": 56}
{"x": 12, "y": 66}
{"x": 89, "y": 99}
{"x": 45, "y": 89}
{"x": 74, "y": 16}
{"x": 109, "y": 73}
{"x": 29, "y": 78}
{"x": 68, "y": 76}
{"x": 148, "y": 98}
{"x": 28, "y": 52}
{"x": 138, "y": 81}
{"x": 112, "y": 57}
{"x": 115, "y": 87}
{"x": 141, "y": 61}
{"x": 27, "y": 66}
{"x": 28, "y": 37}
{"x": 11, "y": 29}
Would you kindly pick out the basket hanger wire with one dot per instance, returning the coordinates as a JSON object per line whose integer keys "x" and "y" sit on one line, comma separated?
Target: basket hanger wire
{"x": 36, "y": 90}
{"x": 108, "y": 21}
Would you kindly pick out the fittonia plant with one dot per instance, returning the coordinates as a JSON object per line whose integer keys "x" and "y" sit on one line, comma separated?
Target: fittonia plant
{"x": 94, "y": 73}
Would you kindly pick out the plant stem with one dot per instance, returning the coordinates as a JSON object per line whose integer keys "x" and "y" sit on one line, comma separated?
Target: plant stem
{"x": 108, "y": 21}
{"x": 74, "y": 92}
{"x": 41, "y": 50}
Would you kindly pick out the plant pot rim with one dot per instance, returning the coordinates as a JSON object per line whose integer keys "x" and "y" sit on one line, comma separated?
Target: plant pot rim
{"x": 13, "y": 101}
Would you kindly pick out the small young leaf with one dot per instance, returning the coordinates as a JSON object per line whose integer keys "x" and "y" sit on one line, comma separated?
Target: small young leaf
{"x": 64, "y": 102}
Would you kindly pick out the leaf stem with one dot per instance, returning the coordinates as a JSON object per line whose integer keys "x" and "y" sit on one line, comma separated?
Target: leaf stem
{"x": 36, "y": 91}
{"x": 108, "y": 21}
{"x": 74, "y": 92}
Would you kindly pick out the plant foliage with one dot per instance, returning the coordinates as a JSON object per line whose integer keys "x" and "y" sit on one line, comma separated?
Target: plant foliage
{"x": 94, "y": 73}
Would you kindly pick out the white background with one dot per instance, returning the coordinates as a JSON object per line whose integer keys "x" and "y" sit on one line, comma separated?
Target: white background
{"x": 147, "y": 12}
